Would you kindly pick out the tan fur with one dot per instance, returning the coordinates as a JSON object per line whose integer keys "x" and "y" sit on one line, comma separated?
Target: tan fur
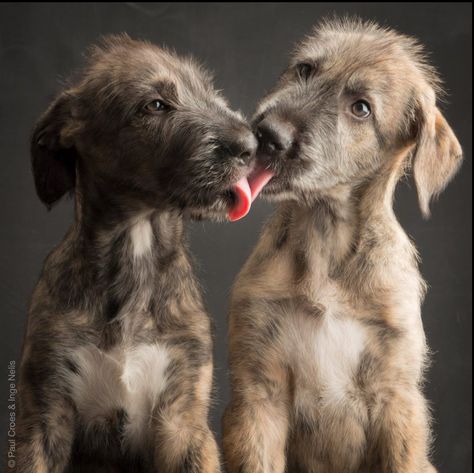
{"x": 327, "y": 348}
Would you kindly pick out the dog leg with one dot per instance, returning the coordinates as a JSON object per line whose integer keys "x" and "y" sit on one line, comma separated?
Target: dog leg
{"x": 183, "y": 441}
{"x": 256, "y": 429}
{"x": 186, "y": 447}
{"x": 402, "y": 442}
{"x": 45, "y": 440}
{"x": 255, "y": 437}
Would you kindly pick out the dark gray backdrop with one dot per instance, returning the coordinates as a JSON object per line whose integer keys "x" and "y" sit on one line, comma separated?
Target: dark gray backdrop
{"x": 247, "y": 46}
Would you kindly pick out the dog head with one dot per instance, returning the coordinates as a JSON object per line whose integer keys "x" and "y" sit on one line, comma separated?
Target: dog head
{"x": 144, "y": 129}
{"x": 353, "y": 95}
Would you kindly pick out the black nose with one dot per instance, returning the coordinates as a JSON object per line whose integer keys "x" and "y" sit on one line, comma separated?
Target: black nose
{"x": 239, "y": 144}
{"x": 275, "y": 136}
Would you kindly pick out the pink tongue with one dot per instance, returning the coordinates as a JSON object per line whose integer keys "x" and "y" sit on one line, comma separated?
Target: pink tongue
{"x": 259, "y": 178}
{"x": 247, "y": 190}
{"x": 243, "y": 200}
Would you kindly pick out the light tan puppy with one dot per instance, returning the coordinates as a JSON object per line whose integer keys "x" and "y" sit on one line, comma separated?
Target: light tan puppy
{"x": 327, "y": 347}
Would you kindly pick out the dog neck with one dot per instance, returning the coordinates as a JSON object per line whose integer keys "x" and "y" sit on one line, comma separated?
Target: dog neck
{"x": 117, "y": 263}
{"x": 327, "y": 234}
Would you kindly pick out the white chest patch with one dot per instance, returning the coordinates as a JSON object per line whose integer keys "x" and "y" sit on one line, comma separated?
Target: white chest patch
{"x": 130, "y": 379}
{"x": 338, "y": 346}
{"x": 141, "y": 235}
{"x": 329, "y": 356}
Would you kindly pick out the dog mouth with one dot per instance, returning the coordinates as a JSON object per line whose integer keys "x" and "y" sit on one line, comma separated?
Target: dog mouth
{"x": 246, "y": 190}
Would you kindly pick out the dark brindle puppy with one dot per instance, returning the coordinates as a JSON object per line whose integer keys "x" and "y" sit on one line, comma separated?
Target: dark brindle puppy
{"x": 116, "y": 368}
{"x": 327, "y": 346}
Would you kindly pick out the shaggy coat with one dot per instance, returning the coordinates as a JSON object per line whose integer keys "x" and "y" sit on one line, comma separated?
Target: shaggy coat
{"x": 327, "y": 348}
{"x": 116, "y": 368}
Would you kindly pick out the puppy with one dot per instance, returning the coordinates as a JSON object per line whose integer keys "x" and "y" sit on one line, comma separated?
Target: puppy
{"x": 116, "y": 368}
{"x": 327, "y": 348}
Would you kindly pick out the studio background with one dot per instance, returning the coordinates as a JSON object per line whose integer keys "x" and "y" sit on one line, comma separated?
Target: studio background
{"x": 247, "y": 46}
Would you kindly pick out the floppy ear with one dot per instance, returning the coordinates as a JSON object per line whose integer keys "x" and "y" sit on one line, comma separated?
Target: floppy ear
{"x": 53, "y": 156}
{"x": 437, "y": 157}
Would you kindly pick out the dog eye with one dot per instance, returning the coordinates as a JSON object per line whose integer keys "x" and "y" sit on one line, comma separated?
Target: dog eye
{"x": 361, "y": 109}
{"x": 305, "y": 70}
{"x": 156, "y": 106}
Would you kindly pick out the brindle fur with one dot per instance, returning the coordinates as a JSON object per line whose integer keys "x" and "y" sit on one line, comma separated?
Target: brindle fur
{"x": 327, "y": 348}
{"x": 116, "y": 368}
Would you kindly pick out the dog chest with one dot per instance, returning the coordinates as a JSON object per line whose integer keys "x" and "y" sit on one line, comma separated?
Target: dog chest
{"x": 128, "y": 379}
{"x": 328, "y": 352}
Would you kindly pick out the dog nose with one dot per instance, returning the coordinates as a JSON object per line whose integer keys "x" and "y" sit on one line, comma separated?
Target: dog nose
{"x": 275, "y": 136}
{"x": 242, "y": 144}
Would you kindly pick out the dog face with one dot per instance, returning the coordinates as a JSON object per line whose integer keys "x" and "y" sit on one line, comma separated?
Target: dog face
{"x": 353, "y": 95}
{"x": 143, "y": 128}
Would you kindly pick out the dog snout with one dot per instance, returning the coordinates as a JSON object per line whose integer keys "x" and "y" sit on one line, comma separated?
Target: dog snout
{"x": 275, "y": 136}
{"x": 240, "y": 144}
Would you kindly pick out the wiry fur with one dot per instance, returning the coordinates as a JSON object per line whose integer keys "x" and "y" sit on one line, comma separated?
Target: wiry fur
{"x": 327, "y": 349}
{"x": 116, "y": 369}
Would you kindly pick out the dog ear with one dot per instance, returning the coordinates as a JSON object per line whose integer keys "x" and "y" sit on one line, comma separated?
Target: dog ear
{"x": 437, "y": 156}
{"x": 53, "y": 155}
